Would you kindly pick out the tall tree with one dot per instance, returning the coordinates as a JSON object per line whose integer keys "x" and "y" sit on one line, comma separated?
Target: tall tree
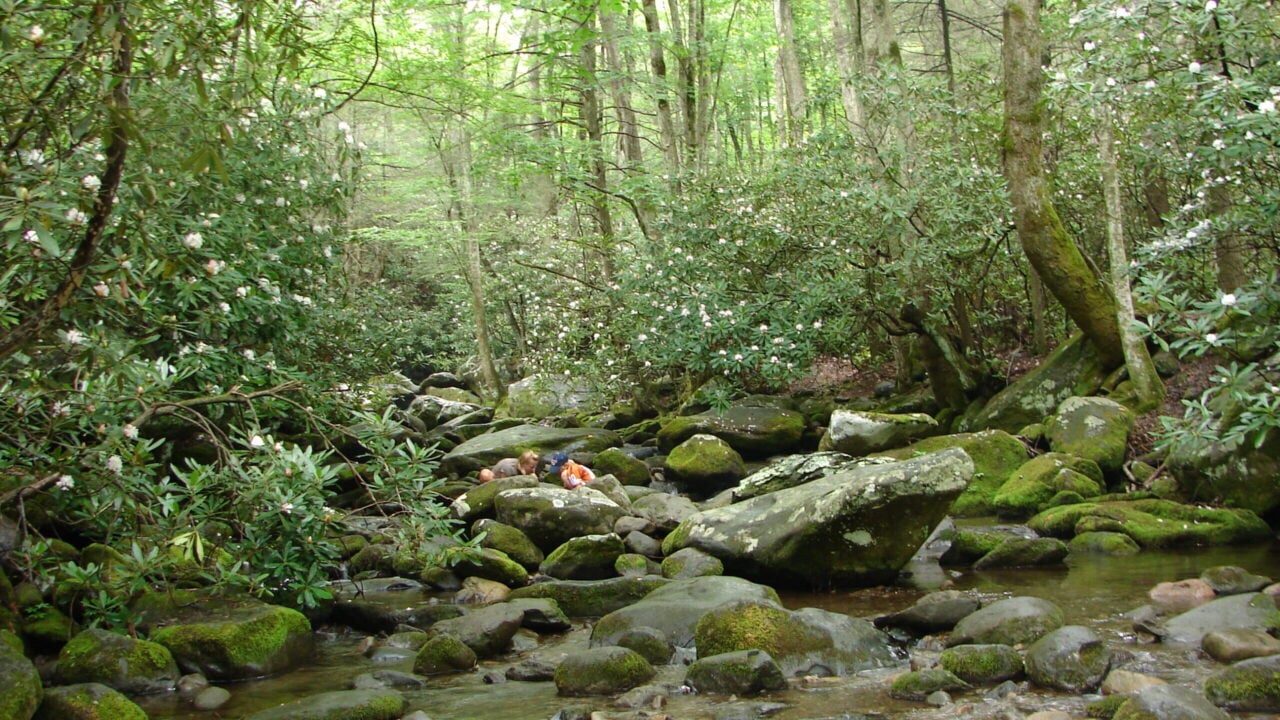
{"x": 792, "y": 98}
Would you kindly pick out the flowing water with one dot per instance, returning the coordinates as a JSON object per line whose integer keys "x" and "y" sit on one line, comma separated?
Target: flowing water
{"x": 1092, "y": 591}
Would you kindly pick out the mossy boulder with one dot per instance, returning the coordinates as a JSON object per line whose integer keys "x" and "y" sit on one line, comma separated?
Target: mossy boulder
{"x": 859, "y": 433}
{"x": 704, "y": 465}
{"x": 934, "y": 613}
{"x": 592, "y": 598}
{"x": 1233, "y": 580}
{"x": 87, "y": 701}
{"x": 510, "y": 541}
{"x": 235, "y": 639}
{"x": 485, "y": 450}
{"x": 742, "y": 673}
{"x": 20, "y": 686}
{"x": 920, "y": 684}
{"x": 1247, "y": 686}
{"x": 340, "y": 705}
{"x": 789, "y": 471}
{"x": 1071, "y": 658}
{"x": 664, "y": 510}
{"x": 493, "y": 565}
{"x": 487, "y": 630}
{"x": 478, "y": 501}
{"x": 442, "y": 654}
{"x": 1113, "y": 544}
{"x": 675, "y": 608}
{"x": 541, "y": 396}
{"x": 1074, "y": 369}
{"x": 1229, "y": 645}
{"x": 1168, "y": 702}
{"x": 651, "y": 643}
{"x": 1023, "y": 552}
{"x": 754, "y": 431}
{"x": 1241, "y": 475}
{"x": 541, "y": 615}
{"x": 47, "y": 629}
{"x": 551, "y": 516}
{"x": 1032, "y": 486}
{"x": 996, "y": 456}
{"x": 1011, "y": 621}
{"x": 967, "y": 546}
{"x": 982, "y": 664}
{"x": 602, "y": 671}
{"x": 1092, "y": 427}
{"x": 589, "y": 557}
{"x": 690, "y": 562}
{"x": 1155, "y": 523}
{"x": 628, "y": 469}
{"x": 133, "y": 666}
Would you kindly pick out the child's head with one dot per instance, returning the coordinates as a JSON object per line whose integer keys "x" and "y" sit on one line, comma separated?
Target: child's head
{"x": 557, "y": 461}
{"x": 527, "y": 462}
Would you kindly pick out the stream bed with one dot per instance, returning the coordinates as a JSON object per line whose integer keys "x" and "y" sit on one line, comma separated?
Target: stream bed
{"x": 1092, "y": 591}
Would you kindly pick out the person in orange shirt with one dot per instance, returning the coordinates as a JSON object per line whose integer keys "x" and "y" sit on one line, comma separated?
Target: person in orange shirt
{"x": 572, "y": 475}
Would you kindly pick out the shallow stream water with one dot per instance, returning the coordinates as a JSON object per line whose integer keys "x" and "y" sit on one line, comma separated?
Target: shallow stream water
{"x": 1092, "y": 591}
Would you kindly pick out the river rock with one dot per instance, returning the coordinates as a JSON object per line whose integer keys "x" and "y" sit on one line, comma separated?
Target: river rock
{"x": 592, "y": 598}
{"x": 1127, "y": 682}
{"x": 982, "y": 664}
{"x": 1155, "y": 523}
{"x": 509, "y": 540}
{"x": 551, "y": 516}
{"x": 742, "y": 673}
{"x": 589, "y": 557}
{"x": 1230, "y": 645}
{"x": 383, "y": 612}
{"x": 1071, "y": 370}
{"x": 1241, "y": 475}
{"x": 478, "y": 502}
{"x": 1033, "y": 485}
{"x": 858, "y": 526}
{"x": 1249, "y": 685}
{"x": 487, "y": 631}
{"x": 1091, "y": 427}
{"x": 651, "y": 643}
{"x": 809, "y": 641}
{"x": 859, "y": 433}
{"x": 492, "y": 565}
{"x": 1231, "y": 580}
{"x": 211, "y": 698}
{"x": 664, "y": 511}
{"x": 443, "y": 654}
{"x": 789, "y": 471}
{"x": 996, "y": 456}
{"x": 1113, "y": 544}
{"x": 485, "y": 450}
{"x": 1182, "y": 595}
{"x": 755, "y": 432}
{"x": 676, "y": 608}
{"x": 544, "y": 395}
{"x": 20, "y": 686}
{"x": 230, "y": 639}
{"x": 920, "y": 684}
{"x": 628, "y": 469}
{"x": 541, "y": 615}
{"x": 130, "y": 665}
{"x": 1072, "y": 659}
{"x": 601, "y": 671}
{"x": 340, "y": 705}
{"x": 1011, "y": 621}
{"x": 691, "y": 562}
{"x": 642, "y": 544}
{"x": 704, "y": 465}
{"x": 934, "y": 613}
{"x": 968, "y": 545}
{"x": 1250, "y": 610}
{"x": 479, "y": 591}
{"x": 636, "y": 565}
{"x": 433, "y": 410}
{"x": 1023, "y": 552}
{"x": 87, "y": 701}
{"x": 1168, "y": 702}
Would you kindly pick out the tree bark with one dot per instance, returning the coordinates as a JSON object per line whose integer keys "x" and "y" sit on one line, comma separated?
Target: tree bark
{"x": 1228, "y": 250}
{"x": 848, "y": 46}
{"x": 1051, "y": 251}
{"x": 593, "y": 122}
{"x": 658, "y": 65}
{"x": 791, "y": 77}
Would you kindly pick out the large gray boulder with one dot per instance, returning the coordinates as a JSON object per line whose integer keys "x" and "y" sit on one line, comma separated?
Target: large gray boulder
{"x": 540, "y": 396}
{"x": 589, "y": 557}
{"x": 487, "y": 631}
{"x": 478, "y": 502}
{"x": 601, "y": 671}
{"x": 1249, "y": 610}
{"x": 855, "y": 527}
{"x": 1072, "y": 659}
{"x": 592, "y": 598}
{"x": 485, "y": 450}
{"x": 675, "y": 608}
{"x": 551, "y": 516}
{"x": 789, "y": 471}
{"x": 754, "y": 431}
{"x": 1091, "y": 427}
{"x": 665, "y": 511}
{"x": 741, "y": 673}
{"x": 859, "y": 433}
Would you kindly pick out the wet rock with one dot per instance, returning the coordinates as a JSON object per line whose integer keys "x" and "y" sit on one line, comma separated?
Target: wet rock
{"x": 444, "y": 654}
{"x": 380, "y": 679}
{"x": 1230, "y": 580}
{"x": 551, "y": 516}
{"x": 755, "y": 432}
{"x": 544, "y": 395}
{"x": 1103, "y": 543}
{"x": 651, "y": 643}
{"x": 601, "y": 671}
{"x": 589, "y": 557}
{"x": 609, "y": 486}
{"x": 996, "y": 456}
{"x": 487, "y": 449}
{"x": 1071, "y": 659}
{"x": 1230, "y": 645}
{"x": 1008, "y": 622}
{"x": 508, "y": 540}
{"x": 1023, "y": 552}
{"x": 136, "y": 667}
{"x": 87, "y": 701}
{"x": 652, "y": 697}
{"x": 532, "y": 670}
{"x": 487, "y": 631}
{"x": 1156, "y": 523}
{"x": 664, "y": 511}
{"x": 625, "y": 467}
{"x": 933, "y": 613}
{"x": 966, "y": 546}
{"x": 919, "y": 684}
{"x": 742, "y": 673}
{"x": 1127, "y": 682}
{"x": 1250, "y": 610}
{"x": 1249, "y": 685}
{"x": 634, "y": 565}
{"x": 1033, "y": 485}
{"x": 228, "y": 639}
{"x": 1049, "y": 715}
{"x": 541, "y": 615}
{"x": 704, "y": 465}
{"x": 1168, "y": 702}
{"x": 478, "y": 502}
{"x": 1181, "y": 596}
{"x": 1091, "y": 427}
{"x": 478, "y": 591}
{"x": 630, "y": 523}
{"x": 938, "y": 698}
{"x": 858, "y": 526}
{"x": 339, "y": 705}
{"x": 592, "y": 598}
{"x": 982, "y": 664}
{"x": 20, "y": 686}
{"x": 690, "y": 562}
{"x": 642, "y": 544}
{"x": 211, "y": 698}
{"x": 789, "y": 471}
{"x": 859, "y": 433}
{"x": 675, "y": 608}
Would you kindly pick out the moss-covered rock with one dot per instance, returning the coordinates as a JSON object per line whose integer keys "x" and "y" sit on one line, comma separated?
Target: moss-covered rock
{"x": 20, "y": 686}
{"x": 47, "y": 628}
{"x": 88, "y": 701}
{"x": 628, "y": 469}
{"x": 551, "y": 516}
{"x": 485, "y": 450}
{"x": 1094, "y": 428}
{"x": 589, "y": 557}
{"x": 1023, "y": 552}
{"x": 487, "y": 631}
{"x": 1168, "y": 702}
{"x": 1155, "y": 523}
{"x": 493, "y": 565}
{"x": 592, "y": 598}
{"x": 340, "y": 705}
{"x": 634, "y": 565}
{"x": 1249, "y": 686}
{"x": 1241, "y": 475}
{"x": 742, "y": 673}
{"x": 920, "y": 684}
{"x": 651, "y": 643}
{"x": 510, "y": 541}
{"x": 676, "y": 607}
{"x": 1071, "y": 658}
{"x": 1072, "y": 370}
{"x": 1008, "y": 622}
{"x": 982, "y": 664}
{"x": 860, "y": 433}
{"x": 444, "y": 654}
{"x": 478, "y": 501}
{"x": 967, "y": 545}
{"x": 691, "y": 562}
{"x": 133, "y": 666}
{"x": 752, "y": 430}
{"x": 602, "y": 671}
{"x": 1103, "y": 543}
{"x": 236, "y": 639}
{"x": 1032, "y": 486}
{"x": 704, "y": 465}
{"x": 996, "y": 456}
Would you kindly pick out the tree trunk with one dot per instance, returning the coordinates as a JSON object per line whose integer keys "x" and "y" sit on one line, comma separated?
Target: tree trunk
{"x": 793, "y": 113}
{"x": 1142, "y": 371}
{"x": 1051, "y": 251}
{"x": 1228, "y": 250}
{"x": 593, "y": 121}
{"x": 848, "y": 46}
{"x": 658, "y": 65}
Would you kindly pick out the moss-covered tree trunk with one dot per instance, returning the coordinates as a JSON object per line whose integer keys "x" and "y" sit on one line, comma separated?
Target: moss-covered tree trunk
{"x": 1050, "y": 250}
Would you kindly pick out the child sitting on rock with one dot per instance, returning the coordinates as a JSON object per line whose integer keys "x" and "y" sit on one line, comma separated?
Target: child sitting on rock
{"x": 526, "y": 464}
{"x": 572, "y": 475}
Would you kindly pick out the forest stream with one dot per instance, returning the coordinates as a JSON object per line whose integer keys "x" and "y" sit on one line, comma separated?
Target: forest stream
{"x": 1092, "y": 591}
